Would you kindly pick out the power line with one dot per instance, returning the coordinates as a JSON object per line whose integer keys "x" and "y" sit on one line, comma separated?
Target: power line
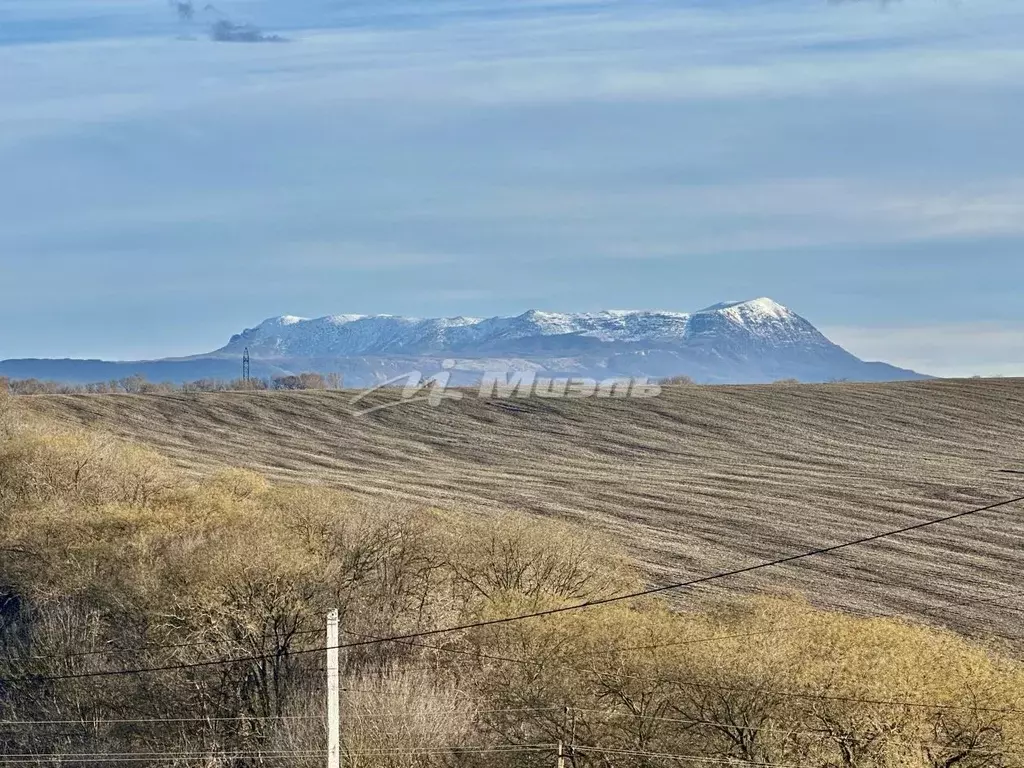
{"x": 243, "y": 753}
{"x": 763, "y": 729}
{"x": 204, "y": 643}
{"x": 274, "y": 718}
{"x": 628, "y": 649}
{"x": 550, "y": 611}
{"x": 150, "y": 760}
{"x": 150, "y": 647}
{"x": 225, "y": 641}
{"x": 689, "y": 683}
{"x": 443, "y": 649}
{"x": 511, "y": 660}
{"x": 820, "y": 732}
{"x": 783, "y": 694}
{"x": 479, "y": 654}
{"x": 694, "y": 641}
{"x": 692, "y": 758}
{"x": 826, "y": 697}
{"x": 122, "y": 757}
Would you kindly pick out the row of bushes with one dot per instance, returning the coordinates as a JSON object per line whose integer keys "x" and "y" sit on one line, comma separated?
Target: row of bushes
{"x": 139, "y": 385}
{"x": 113, "y": 561}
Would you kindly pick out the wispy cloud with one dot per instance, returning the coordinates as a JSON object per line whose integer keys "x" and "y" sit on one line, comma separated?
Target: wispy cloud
{"x": 470, "y": 145}
{"x": 956, "y": 350}
{"x": 221, "y": 28}
{"x": 227, "y": 31}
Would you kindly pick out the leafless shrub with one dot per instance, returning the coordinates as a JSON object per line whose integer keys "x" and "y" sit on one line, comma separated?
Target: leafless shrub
{"x": 112, "y": 561}
{"x": 7, "y": 411}
{"x": 41, "y": 465}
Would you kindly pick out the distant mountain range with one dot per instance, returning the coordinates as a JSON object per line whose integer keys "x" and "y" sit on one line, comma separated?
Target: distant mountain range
{"x": 733, "y": 342}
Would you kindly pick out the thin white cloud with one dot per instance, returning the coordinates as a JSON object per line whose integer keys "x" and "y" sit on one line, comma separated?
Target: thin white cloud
{"x": 335, "y": 254}
{"x": 956, "y": 350}
{"x": 472, "y": 136}
{"x": 776, "y": 51}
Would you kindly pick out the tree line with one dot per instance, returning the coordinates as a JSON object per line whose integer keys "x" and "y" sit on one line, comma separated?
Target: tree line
{"x": 138, "y": 384}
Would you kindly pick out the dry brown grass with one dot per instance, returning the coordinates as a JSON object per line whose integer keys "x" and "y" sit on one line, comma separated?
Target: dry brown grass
{"x": 698, "y": 480}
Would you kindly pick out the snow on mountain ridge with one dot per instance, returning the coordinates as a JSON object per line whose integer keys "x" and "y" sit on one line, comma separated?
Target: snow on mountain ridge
{"x": 352, "y": 334}
{"x": 745, "y": 342}
{"x": 761, "y": 308}
{"x": 762, "y": 317}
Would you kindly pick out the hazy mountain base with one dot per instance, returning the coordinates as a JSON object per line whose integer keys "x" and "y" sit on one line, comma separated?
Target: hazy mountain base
{"x": 706, "y": 368}
{"x": 113, "y": 560}
{"x": 752, "y": 342}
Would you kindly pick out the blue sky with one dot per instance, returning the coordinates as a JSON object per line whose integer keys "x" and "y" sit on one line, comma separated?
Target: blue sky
{"x": 861, "y": 163}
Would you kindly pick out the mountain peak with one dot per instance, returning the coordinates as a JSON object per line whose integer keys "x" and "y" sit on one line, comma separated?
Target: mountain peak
{"x": 756, "y": 340}
{"x": 760, "y": 307}
{"x": 281, "y": 321}
{"x": 346, "y": 335}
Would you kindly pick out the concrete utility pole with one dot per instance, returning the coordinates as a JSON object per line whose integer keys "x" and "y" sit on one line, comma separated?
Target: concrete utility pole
{"x": 333, "y": 693}
{"x": 561, "y": 755}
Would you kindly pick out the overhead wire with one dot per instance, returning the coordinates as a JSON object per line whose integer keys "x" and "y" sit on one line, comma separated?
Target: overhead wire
{"x": 552, "y": 611}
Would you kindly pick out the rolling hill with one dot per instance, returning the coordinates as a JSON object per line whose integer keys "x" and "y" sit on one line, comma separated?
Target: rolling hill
{"x": 698, "y": 480}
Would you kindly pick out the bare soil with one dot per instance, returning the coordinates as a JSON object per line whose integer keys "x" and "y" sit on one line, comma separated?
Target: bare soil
{"x": 696, "y": 481}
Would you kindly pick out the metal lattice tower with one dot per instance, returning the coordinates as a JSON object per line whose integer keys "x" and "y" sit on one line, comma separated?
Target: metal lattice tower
{"x": 245, "y": 366}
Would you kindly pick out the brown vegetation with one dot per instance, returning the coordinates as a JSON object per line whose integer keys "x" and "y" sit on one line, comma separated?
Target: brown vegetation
{"x": 698, "y": 480}
{"x": 114, "y": 561}
{"x": 137, "y": 384}
{"x": 677, "y": 381}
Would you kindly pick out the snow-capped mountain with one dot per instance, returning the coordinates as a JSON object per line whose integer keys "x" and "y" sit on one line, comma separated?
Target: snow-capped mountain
{"x": 733, "y": 342}
{"x": 347, "y": 335}
{"x": 739, "y": 341}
